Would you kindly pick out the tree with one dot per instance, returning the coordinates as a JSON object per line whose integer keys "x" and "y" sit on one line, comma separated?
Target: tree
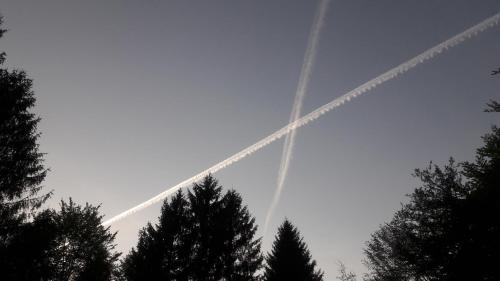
{"x": 163, "y": 251}
{"x": 67, "y": 245}
{"x": 83, "y": 248}
{"x": 205, "y": 235}
{"x": 289, "y": 258}
{"x": 344, "y": 274}
{"x": 493, "y": 106}
{"x": 482, "y": 212}
{"x": 21, "y": 163}
{"x": 449, "y": 230}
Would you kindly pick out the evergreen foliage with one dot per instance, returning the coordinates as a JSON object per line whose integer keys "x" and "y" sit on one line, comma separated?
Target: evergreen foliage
{"x": 493, "y": 106}
{"x": 67, "y": 245}
{"x": 289, "y": 258}
{"x": 206, "y": 235}
{"x": 21, "y": 163}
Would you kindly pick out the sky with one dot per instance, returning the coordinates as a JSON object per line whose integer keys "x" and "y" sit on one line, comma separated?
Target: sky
{"x": 136, "y": 96}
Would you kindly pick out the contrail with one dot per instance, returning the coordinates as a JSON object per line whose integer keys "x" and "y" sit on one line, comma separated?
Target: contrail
{"x": 304, "y": 78}
{"x": 394, "y": 72}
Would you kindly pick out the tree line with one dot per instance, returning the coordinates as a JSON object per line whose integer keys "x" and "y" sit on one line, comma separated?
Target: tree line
{"x": 448, "y": 230}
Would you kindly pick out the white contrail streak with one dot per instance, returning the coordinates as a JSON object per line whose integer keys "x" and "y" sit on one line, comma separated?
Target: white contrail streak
{"x": 396, "y": 71}
{"x": 305, "y": 77}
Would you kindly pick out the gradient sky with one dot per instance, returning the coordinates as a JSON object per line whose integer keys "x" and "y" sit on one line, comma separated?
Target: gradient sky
{"x": 136, "y": 96}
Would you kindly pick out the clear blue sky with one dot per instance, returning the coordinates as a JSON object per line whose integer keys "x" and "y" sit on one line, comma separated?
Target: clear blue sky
{"x": 136, "y": 96}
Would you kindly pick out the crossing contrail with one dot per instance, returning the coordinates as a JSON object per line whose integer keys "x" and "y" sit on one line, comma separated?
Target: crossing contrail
{"x": 304, "y": 78}
{"x": 394, "y": 72}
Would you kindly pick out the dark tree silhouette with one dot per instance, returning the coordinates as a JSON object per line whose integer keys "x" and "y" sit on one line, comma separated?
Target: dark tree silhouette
{"x": 289, "y": 258}
{"x": 482, "y": 213}
{"x": 205, "y": 235}
{"x": 2, "y": 31}
{"x": 21, "y": 164}
{"x": 493, "y": 106}
{"x": 449, "y": 230}
{"x": 82, "y": 248}
{"x": 163, "y": 251}
{"x": 67, "y": 245}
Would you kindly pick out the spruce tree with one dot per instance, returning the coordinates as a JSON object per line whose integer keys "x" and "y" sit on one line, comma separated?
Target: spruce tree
{"x": 70, "y": 244}
{"x": 493, "y": 106}
{"x": 206, "y": 235}
{"x": 289, "y": 258}
{"x": 163, "y": 251}
{"x": 21, "y": 163}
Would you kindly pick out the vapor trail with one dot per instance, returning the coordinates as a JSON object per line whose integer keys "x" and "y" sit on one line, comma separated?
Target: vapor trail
{"x": 394, "y": 72}
{"x": 305, "y": 77}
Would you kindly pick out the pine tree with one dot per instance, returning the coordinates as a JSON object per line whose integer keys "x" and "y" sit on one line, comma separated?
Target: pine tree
{"x": 67, "y": 245}
{"x": 493, "y": 106}
{"x": 206, "y": 206}
{"x": 163, "y": 251}
{"x": 21, "y": 163}
{"x": 240, "y": 254}
{"x": 289, "y": 258}
{"x": 206, "y": 235}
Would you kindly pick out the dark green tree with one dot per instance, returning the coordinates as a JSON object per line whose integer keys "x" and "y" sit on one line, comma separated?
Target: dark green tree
{"x": 70, "y": 244}
{"x": 206, "y": 235}
{"x": 449, "y": 230}
{"x": 289, "y": 258}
